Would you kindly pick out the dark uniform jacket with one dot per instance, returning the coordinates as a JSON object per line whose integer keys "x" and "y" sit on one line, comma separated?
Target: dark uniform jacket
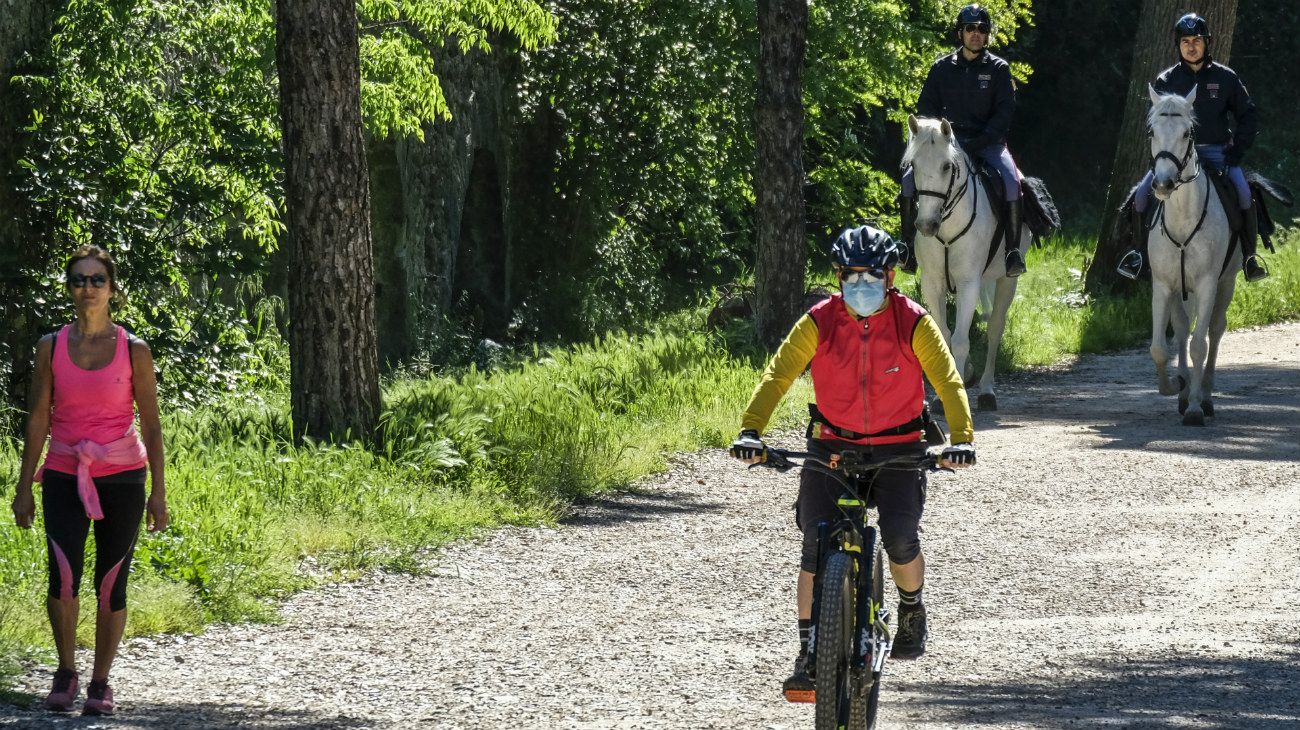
{"x": 1218, "y": 92}
{"x": 977, "y": 97}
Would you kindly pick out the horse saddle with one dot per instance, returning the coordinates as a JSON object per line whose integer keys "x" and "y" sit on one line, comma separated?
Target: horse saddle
{"x": 1040, "y": 212}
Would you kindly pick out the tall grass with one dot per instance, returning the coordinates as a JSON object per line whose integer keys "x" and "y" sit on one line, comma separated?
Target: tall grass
{"x": 255, "y": 516}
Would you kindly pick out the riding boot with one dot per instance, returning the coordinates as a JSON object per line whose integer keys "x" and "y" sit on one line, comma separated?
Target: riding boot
{"x": 907, "y": 210}
{"x": 1252, "y": 264}
{"x": 1130, "y": 265}
{"x": 1015, "y": 215}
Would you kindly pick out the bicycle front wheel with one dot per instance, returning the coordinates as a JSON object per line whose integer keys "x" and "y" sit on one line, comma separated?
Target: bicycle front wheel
{"x": 835, "y": 621}
{"x": 866, "y": 688}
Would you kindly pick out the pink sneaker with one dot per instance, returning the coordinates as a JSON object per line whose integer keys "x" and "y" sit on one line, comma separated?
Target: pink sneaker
{"x": 99, "y": 699}
{"x": 64, "y": 694}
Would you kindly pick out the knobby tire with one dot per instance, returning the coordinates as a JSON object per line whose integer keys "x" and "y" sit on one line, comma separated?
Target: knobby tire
{"x": 834, "y": 640}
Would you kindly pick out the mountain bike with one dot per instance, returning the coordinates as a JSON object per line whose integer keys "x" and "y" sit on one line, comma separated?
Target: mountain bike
{"x": 850, "y": 637}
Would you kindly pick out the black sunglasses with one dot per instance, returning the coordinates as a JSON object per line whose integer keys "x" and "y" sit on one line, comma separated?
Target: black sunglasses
{"x": 977, "y": 27}
{"x": 78, "y": 281}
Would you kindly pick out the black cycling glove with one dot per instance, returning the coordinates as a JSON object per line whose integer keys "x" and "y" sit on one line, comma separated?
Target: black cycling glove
{"x": 748, "y": 445}
{"x": 960, "y": 454}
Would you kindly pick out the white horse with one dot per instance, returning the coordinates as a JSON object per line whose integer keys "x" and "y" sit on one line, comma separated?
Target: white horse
{"x": 954, "y": 224}
{"x": 1188, "y": 245}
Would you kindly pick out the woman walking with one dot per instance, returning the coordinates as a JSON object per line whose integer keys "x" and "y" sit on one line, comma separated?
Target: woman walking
{"x": 90, "y": 377}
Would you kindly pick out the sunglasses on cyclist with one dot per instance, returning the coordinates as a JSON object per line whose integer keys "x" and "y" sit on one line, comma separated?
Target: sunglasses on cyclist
{"x": 79, "y": 281}
{"x": 849, "y": 276}
{"x": 977, "y": 28}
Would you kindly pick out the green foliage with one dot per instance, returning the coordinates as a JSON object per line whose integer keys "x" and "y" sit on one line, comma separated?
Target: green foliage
{"x": 400, "y": 91}
{"x": 636, "y": 127}
{"x": 154, "y": 132}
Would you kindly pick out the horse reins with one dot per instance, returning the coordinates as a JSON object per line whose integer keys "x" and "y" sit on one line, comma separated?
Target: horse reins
{"x": 950, "y": 206}
{"x": 1179, "y": 181}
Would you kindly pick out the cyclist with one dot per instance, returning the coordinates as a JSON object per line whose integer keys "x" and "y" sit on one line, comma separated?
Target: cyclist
{"x": 1219, "y": 95}
{"x": 90, "y": 376}
{"x": 972, "y": 88}
{"x": 868, "y": 346}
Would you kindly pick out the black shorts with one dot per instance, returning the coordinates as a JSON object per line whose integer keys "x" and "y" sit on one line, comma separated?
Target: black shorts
{"x": 121, "y": 496}
{"x": 898, "y": 494}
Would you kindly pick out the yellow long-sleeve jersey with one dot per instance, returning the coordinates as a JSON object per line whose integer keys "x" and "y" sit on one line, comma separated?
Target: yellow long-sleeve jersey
{"x": 797, "y": 351}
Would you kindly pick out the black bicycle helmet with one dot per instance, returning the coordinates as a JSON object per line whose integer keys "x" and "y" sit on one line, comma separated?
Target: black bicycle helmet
{"x": 1191, "y": 25}
{"x": 864, "y": 247}
{"x": 973, "y": 13}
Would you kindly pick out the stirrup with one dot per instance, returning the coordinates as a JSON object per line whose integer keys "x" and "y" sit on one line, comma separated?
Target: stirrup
{"x": 1130, "y": 267}
{"x": 1020, "y": 263}
{"x": 1261, "y": 268}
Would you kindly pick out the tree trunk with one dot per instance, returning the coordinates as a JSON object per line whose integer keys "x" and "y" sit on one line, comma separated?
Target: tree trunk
{"x": 25, "y": 27}
{"x": 778, "y": 179}
{"x": 334, "y": 364}
{"x": 1153, "y": 52}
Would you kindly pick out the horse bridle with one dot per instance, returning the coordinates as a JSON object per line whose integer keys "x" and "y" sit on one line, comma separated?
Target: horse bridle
{"x": 949, "y": 202}
{"x": 1179, "y": 181}
{"x": 1180, "y": 164}
{"x": 950, "y": 206}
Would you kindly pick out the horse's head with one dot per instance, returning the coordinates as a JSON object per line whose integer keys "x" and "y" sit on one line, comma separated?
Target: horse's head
{"x": 937, "y": 167}
{"x": 1170, "y": 125}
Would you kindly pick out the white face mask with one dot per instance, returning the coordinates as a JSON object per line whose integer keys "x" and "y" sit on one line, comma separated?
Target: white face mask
{"x": 864, "y": 294}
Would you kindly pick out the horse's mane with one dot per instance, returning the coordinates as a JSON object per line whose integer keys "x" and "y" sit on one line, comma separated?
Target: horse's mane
{"x": 1171, "y": 105}
{"x": 927, "y": 131}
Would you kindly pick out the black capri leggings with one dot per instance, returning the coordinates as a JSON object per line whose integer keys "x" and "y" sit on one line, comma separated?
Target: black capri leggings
{"x": 898, "y": 494}
{"x": 66, "y": 527}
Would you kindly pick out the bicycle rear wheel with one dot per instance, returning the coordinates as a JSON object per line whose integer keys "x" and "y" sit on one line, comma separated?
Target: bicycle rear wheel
{"x": 835, "y": 642}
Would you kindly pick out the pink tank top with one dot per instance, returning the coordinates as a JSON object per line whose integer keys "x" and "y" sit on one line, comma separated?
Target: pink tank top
{"x": 95, "y": 405}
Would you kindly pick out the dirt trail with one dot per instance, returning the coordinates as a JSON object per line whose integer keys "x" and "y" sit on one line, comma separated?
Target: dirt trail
{"x": 1103, "y": 566}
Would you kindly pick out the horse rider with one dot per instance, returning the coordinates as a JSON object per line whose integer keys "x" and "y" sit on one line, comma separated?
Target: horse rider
{"x": 1219, "y": 95}
{"x": 973, "y": 90}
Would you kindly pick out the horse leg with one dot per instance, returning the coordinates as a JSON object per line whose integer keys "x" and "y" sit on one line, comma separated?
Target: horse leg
{"x": 1218, "y": 325}
{"x": 1161, "y": 299}
{"x": 935, "y": 292}
{"x": 1002, "y": 298}
{"x": 1199, "y": 350}
{"x": 968, "y": 294}
{"x": 1182, "y": 325}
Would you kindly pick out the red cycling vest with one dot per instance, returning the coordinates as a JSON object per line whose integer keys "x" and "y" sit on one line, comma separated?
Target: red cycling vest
{"x": 865, "y": 374}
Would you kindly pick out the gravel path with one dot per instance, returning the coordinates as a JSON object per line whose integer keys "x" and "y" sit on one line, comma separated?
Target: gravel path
{"x": 1103, "y": 566}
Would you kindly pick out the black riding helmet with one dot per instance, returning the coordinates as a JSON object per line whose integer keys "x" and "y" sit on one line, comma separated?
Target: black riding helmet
{"x": 973, "y": 13}
{"x": 1191, "y": 25}
{"x": 864, "y": 247}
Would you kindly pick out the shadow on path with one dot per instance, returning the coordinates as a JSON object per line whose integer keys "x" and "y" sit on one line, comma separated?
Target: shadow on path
{"x": 1257, "y": 411}
{"x": 1184, "y": 691}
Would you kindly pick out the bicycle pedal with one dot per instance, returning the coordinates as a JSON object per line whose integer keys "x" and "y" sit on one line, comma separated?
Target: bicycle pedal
{"x": 802, "y": 696}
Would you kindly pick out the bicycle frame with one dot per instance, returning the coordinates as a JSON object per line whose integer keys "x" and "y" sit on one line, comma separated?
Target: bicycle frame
{"x": 852, "y": 535}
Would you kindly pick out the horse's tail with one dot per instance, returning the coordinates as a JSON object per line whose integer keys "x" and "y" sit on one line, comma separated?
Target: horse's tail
{"x": 1041, "y": 213}
{"x": 1273, "y": 189}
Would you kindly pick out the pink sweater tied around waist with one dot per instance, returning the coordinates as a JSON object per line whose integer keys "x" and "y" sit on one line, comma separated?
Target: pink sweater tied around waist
{"x": 126, "y": 451}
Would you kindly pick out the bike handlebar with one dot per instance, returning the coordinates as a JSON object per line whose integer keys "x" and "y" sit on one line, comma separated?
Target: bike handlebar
{"x": 783, "y": 460}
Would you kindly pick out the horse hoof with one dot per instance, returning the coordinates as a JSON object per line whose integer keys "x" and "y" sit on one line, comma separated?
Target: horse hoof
{"x": 1207, "y": 408}
{"x": 1194, "y": 418}
{"x": 986, "y": 402}
{"x": 1182, "y": 406}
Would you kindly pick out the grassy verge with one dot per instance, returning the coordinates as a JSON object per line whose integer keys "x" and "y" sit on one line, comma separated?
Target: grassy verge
{"x": 250, "y": 510}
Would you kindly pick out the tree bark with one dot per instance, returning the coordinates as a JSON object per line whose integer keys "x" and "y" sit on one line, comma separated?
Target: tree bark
{"x": 334, "y": 363}
{"x": 779, "y": 176}
{"x": 1153, "y": 51}
{"x": 26, "y": 26}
